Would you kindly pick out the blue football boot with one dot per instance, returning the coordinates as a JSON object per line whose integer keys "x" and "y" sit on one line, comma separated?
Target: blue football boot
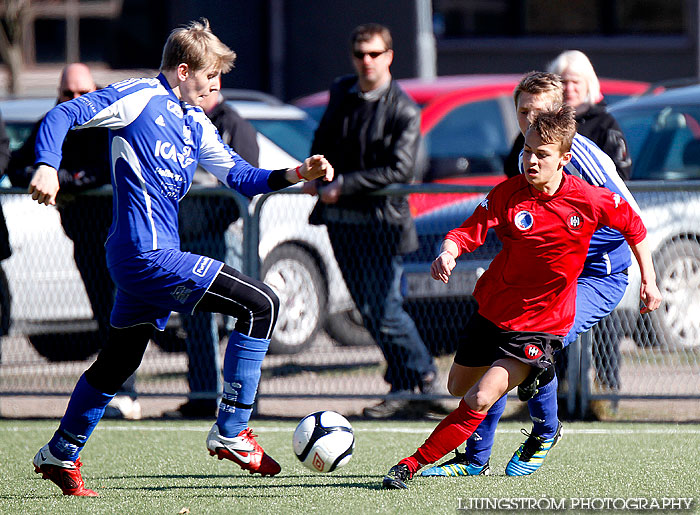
{"x": 458, "y": 466}
{"x": 531, "y": 454}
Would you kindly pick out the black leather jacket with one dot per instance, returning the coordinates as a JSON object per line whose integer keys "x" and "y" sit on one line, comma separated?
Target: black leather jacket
{"x": 371, "y": 145}
{"x": 602, "y": 129}
{"x": 84, "y": 163}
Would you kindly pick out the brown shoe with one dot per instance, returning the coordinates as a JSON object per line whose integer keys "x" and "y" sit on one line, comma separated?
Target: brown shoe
{"x": 388, "y": 408}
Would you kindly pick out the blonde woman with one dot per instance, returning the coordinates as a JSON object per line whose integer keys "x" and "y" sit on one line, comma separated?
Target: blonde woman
{"x": 582, "y": 92}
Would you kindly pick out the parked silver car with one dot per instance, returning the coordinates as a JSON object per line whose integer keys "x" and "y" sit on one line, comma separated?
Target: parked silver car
{"x": 663, "y": 133}
{"x": 46, "y": 288}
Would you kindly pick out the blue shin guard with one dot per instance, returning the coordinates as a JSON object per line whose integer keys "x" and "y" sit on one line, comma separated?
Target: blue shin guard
{"x": 242, "y": 363}
{"x": 480, "y": 443}
{"x": 543, "y": 410}
{"x": 84, "y": 411}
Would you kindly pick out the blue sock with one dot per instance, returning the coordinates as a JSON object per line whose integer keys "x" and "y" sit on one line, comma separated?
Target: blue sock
{"x": 84, "y": 411}
{"x": 242, "y": 362}
{"x": 543, "y": 410}
{"x": 480, "y": 442}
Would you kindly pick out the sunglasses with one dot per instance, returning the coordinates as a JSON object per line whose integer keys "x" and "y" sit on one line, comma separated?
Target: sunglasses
{"x": 361, "y": 55}
{"x": 69, "y": 93}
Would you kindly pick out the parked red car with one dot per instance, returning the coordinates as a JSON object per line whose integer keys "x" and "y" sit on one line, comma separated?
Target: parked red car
{"x": 468, "y": 121}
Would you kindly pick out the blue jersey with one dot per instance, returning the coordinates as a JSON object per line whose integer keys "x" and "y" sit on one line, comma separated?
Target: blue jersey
{"x": 156, "y": 142}
{"x": 608, "y": 252}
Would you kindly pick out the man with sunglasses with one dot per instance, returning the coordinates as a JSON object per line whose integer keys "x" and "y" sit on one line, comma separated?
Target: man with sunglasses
{"x": 85, "y": 218}
{"x": 370, "y": 132}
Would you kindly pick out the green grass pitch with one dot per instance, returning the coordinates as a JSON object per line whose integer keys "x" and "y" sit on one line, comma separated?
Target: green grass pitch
{"x": 159, "y": 467}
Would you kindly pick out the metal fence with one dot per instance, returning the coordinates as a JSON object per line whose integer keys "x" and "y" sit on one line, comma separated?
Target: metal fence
{"x": 54, "y": 319}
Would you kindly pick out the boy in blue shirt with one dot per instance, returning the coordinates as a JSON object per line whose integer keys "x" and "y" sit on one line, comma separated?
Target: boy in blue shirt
{"x": 157, "y": 138}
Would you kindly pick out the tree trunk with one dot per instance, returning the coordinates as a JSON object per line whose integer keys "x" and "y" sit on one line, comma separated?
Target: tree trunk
{"x": 14, "y": 69}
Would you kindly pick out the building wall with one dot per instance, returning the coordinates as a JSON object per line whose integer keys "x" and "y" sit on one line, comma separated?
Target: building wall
{"x": 318, "y": 34}
{"x": 295, "y": 47}
{"x": 648, "y": 59}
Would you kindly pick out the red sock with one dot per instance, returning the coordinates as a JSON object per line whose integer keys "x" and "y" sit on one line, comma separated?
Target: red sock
{"x": 454, "y": 429}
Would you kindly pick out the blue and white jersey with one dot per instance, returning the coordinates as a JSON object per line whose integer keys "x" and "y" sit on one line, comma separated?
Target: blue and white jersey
{"x": 608, "y": 252}
{"x": 156, "y": 142}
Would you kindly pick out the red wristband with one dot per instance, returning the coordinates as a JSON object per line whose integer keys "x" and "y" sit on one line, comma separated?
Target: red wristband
{"x": 301, "y": 177}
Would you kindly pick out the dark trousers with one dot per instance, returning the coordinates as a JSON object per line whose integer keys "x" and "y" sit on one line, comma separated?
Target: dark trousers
{"x": 86, "y": 220}
{"x": 203, "y": 224}
{"x": 373, "y": 273}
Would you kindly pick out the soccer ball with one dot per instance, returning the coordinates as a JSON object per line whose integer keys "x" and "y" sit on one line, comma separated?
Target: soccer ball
{"x": 323, "y": 441}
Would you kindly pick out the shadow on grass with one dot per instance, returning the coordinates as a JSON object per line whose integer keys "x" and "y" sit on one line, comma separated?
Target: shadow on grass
{"x": 354, "y": 481}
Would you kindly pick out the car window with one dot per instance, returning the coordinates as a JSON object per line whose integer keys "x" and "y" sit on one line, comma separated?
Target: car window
{"x": 613, "y": 98}
{"x": 292, "y": 136}
{"x": 18, "y": 132}
{"x": 474, "y": 133}
{"x": 315, "y": 112}
{"x": 664, "y": 142}
{"x": 635, "y": 125}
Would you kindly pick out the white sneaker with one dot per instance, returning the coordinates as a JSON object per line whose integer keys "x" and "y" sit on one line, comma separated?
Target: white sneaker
{"x": 123, "y": 406}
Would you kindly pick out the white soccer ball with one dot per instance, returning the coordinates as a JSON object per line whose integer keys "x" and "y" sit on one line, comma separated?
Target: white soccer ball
{"x": 324, "y": 441}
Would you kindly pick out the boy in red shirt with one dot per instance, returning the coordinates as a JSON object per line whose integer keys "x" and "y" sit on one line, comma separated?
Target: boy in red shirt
{"x": 527, "y": 297}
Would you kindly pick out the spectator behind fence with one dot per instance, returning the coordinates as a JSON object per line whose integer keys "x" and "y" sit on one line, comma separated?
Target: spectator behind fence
{"x": 85, "y": 218}
{"x": 599, "y": 289}
{"x": 158, "y": 137}
{"x": 582, "y": 92}
{"x": 370, "y": 132}
{"x": 527, "y": 297}
{"x": 5, "y": 249}
{"x": 203, "y": 223}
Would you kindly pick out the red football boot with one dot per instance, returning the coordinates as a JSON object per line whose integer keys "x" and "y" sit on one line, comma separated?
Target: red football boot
{"x": 243, "y": 450}
{"x": 66, "y": 474}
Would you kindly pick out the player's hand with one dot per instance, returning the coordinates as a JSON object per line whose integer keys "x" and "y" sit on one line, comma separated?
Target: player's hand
{"x": 315, "y": 167}
{"x": 650, "y": 296}
{"x": 441, "y": 268}
{"x": 44, "y": 185}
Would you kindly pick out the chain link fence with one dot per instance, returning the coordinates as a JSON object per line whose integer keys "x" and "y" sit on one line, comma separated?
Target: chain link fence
{"x": 55, "y": 303}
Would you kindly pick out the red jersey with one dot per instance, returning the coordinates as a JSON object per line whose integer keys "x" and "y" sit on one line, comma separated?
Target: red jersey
{"x": 531, "y": 284}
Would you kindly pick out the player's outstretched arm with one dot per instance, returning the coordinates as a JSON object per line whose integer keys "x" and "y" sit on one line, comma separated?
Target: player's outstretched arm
{"x": 441, "y": 268}
{"x": 313, "y": 167}
{"x": 649, "y": 292}
{"x": 44, "y": 185}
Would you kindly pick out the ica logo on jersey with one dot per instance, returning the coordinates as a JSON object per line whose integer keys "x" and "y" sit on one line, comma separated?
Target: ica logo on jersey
{"x": 167, "y": 150}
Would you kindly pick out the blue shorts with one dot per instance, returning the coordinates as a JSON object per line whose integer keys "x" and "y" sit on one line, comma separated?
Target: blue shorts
{"x": 152, "y": 285}
{"x": 596, "y": 298}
